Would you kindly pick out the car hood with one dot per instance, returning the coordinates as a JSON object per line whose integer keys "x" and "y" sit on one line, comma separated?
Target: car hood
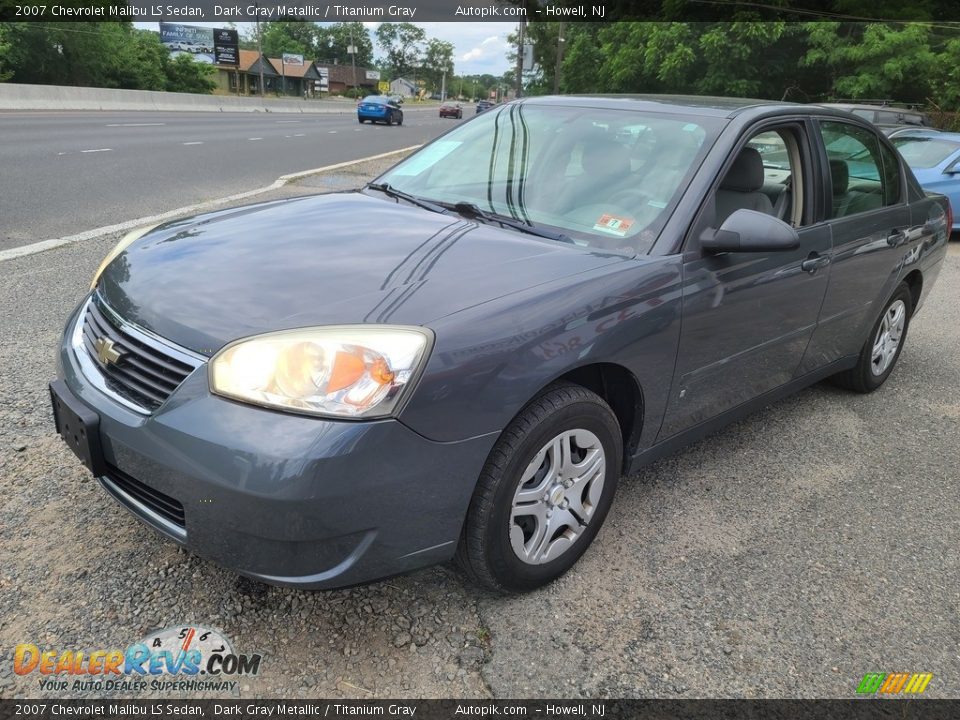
{"x": 341, "y": 258}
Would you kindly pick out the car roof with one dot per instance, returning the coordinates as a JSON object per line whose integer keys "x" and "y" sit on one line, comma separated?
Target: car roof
{"x": 927, "y": 135}
{"x": 684, "y": 104}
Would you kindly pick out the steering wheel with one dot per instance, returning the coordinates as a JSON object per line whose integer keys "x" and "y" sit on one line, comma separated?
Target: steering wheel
{"x": 630, "y": 198}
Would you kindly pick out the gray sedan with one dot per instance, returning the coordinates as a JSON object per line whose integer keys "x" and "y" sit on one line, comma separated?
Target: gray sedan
{"x": 462, "y": 358}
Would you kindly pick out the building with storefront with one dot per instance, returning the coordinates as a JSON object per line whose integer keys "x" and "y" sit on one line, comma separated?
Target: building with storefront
{"x": 245, "y": 78}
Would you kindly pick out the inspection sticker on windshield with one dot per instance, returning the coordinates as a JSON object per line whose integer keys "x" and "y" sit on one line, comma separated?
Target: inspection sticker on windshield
{"x": 427, "y": 158}
{"x": 614, "y": 225}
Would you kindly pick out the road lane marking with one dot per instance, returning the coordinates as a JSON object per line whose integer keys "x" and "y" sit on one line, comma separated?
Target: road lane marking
{"x": 332, "y": 132}
{"x": 135, "y": 124}
{"x": 252, "y": 139}
{"x": 98, "y": 150}
{"x": 195, "y": 142}
{"x": 43, "y": 245}
{"x": 287, "y": 122}
{"x": 299, "y": 134}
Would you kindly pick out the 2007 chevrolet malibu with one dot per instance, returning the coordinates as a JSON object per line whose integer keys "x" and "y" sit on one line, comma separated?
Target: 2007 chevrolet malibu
{"x": 461, "y": 358}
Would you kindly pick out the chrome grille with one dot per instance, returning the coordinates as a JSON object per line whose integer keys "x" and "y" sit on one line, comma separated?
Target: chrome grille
{"x": 146, "y": 371}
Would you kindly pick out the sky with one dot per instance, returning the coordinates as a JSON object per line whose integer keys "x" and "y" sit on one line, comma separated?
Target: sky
{"x": 478, "y": 47}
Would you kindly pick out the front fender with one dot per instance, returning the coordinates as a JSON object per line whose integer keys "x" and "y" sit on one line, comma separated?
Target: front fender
{"x": 491, "y": 360}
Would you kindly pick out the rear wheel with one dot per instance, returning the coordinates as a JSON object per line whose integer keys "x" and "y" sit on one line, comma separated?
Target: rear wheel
{"x": 882, "y": 349}
{"x": 544, "y": 491}
{"x": 360, "y": 120}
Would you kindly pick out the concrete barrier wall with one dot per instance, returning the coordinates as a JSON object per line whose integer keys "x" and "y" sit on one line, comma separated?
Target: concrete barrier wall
{"x": 14, "y": 96}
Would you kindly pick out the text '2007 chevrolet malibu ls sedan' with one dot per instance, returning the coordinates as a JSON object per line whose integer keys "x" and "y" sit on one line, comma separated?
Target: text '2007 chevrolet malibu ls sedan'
{"x": 568, "y": 288}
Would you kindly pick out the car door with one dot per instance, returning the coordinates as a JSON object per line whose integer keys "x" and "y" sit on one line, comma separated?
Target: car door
{"x": 748, "y": 316}
{"x": 869, "y": 219}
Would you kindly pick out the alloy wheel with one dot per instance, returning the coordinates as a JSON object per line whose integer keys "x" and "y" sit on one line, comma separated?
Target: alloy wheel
{"x": 887, "y": 341}
{"x": 557, "y": 496}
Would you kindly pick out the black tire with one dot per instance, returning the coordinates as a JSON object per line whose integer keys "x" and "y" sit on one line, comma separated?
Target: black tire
{"x": 862, "y": 378}
{"x": 485, "y": 552}
{"x": 360, "y": 120}
{"x": 389, "y": 120}
{"x": 400, "y": 119}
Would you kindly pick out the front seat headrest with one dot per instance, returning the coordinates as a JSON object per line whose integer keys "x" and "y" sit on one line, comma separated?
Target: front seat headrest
{"x": 840, "y": 175}
{"x": 746, "y": 173}
{"x": 605, "y": 158}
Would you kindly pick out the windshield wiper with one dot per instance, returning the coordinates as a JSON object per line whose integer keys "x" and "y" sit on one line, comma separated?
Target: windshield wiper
{"x": 388, "y": 189}
{"x": 468, "y": 208}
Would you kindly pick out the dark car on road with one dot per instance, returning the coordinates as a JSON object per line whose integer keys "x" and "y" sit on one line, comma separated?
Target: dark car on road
{"x": 451, "y": 109}
{"x": 484, "y": 105}
{"x": 462, "y": 358}
{"x": 887, "y": 117}
{"x": 379, "y": 108}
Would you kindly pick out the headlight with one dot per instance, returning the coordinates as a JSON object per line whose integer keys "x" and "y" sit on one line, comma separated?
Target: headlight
{"x": 342, "y": 371}
{"x": 120, "y": 247}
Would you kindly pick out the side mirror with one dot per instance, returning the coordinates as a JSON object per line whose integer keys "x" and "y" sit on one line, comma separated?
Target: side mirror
{"x": 751, "y": 231}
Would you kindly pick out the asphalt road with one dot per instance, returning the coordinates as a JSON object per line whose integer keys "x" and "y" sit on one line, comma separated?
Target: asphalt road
{"x": 785, "y": 556}
{"x": 69, "y": 172}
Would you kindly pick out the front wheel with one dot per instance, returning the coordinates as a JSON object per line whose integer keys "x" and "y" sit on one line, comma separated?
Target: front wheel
{"x": 400, "y": 120}
{"x": 544, "y": 491}
{"x": 882, "y": 349}
{"x": 360, "y": 120}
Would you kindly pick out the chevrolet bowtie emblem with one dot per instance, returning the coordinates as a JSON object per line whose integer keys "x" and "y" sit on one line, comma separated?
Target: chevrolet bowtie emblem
{"x": 105, "y": 351}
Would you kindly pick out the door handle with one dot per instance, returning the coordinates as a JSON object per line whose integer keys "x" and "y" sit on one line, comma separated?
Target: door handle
{"x": 814, "y": 262}
{"x": 896, "y": 237}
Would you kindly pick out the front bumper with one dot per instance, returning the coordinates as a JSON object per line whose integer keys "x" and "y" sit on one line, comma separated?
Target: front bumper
{"x": 285, "y": 499}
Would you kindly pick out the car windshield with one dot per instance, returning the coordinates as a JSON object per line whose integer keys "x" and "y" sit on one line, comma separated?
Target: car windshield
{"x": 374, "y": 99}
{"x": 924, "y": 152}
{"x": 604, "y": 178}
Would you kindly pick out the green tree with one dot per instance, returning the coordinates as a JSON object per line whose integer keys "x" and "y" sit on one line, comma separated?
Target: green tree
{"x": 401, "y": 43}
{"x": 334, "y": 41}
{"x": 184, "y": 74}
{"x": 876, "y": 61}
{"x": 437, "y": 61}
{"x": 6, "y": 68}
{"x": 290, "y": 36}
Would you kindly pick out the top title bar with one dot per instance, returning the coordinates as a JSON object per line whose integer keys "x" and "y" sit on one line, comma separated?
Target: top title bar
{"x": 510, "y": 11}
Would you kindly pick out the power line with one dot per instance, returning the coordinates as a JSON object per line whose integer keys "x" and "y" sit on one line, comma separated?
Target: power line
{"x": 825, "y": 14}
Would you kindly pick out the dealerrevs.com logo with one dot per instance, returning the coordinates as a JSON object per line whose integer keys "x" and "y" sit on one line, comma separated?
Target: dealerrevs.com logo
{"x": 178, "y": 658}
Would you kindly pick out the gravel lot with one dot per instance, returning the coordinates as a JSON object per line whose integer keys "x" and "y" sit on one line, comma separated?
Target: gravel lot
{"x": 784, "y": 557}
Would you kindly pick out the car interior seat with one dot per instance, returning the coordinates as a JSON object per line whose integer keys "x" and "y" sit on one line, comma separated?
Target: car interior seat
{"x": 840, "y": 179}
{"x": 604, "y": 163}
{"x": 740, "y": 189}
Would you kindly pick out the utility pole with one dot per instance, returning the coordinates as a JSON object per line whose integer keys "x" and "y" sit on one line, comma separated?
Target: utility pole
{"x": 260, "y": 50}
{"x": 443, "y": 87}
{"x": 523, "y": 26}
{"x": 353, "y": 58}
{"x": 561, "y": 41}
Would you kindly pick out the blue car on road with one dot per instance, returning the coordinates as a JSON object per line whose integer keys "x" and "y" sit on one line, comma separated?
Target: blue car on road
{"x": 935, "y": 161}
{"x": 379, "y": 108}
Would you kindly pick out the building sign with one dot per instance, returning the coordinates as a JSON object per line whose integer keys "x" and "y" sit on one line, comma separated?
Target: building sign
{"x": 373, "y": 74}
{"x": 226, "y": 46}
{"x": 291, "y": 59}
{"x": 323, "y": 84}
{"x": 383, "y": 86}
{"x": 206, "y": 45}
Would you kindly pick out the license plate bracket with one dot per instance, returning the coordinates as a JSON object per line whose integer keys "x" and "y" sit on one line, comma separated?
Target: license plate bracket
{"x": 78, "y": 427}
